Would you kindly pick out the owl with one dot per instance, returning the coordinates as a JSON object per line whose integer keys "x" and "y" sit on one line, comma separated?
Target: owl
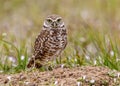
{"x": 51, "y": 41}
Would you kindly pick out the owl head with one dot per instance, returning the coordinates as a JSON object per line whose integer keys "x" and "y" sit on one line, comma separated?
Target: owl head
{"x": 54, "y": 21}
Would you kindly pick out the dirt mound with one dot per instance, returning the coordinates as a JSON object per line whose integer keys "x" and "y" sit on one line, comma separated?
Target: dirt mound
{"x": 78, "y": 76}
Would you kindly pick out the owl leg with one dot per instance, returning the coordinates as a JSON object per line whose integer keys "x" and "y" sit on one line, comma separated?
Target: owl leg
{"x": 48, "y": 65}
{"x": 60, "y": 59}
{"x": 30, "y": 63}
{"x": 37, "y": 64}
{"x": 34, "y": 63}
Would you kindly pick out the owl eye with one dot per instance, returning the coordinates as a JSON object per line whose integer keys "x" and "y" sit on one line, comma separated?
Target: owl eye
{"x": 49, "y": 20}
{"x": 59, "y": 20}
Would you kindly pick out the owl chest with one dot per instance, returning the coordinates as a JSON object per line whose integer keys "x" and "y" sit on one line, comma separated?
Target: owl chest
{"x": 56, "y": 39}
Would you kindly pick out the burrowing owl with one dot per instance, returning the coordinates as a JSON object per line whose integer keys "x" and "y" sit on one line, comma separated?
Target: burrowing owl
{"x": 51, "y": 41}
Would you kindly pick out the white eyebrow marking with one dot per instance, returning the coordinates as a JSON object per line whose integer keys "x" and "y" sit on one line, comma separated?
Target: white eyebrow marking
{"x": 62, "y": 24}
{"x": 58, "y": 18}
{"x": 45, "y": 25}
{"x": 49, "y": 18}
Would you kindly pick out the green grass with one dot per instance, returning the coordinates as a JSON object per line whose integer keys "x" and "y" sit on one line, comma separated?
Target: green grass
{"x": 93, "y": 32}
{"x": 106, "y": 54}
{"x": 21, "y": 63}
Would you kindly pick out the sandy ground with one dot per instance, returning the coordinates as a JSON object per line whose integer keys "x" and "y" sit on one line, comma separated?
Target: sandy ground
{"x": 78, "y": 76}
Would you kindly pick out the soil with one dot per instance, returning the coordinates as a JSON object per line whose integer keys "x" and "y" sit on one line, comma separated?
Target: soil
{"x": 78, "y": 76}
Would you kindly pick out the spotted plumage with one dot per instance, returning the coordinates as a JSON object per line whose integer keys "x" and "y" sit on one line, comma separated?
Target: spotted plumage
{"x": 51, "y": 41}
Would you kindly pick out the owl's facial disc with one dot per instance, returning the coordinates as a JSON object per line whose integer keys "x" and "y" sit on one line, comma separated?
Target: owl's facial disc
{"x": 54, "y": 23}
{"x": 48, "y": 22}
{"x": 59, "y": 22}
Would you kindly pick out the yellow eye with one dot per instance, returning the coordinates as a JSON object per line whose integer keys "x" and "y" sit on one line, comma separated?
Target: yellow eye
{"x": 49, "y": 20}
{"x": 59, "y": 20}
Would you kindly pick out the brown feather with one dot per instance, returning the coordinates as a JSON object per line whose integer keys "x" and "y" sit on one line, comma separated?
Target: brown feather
{"x": 48, "y": 45}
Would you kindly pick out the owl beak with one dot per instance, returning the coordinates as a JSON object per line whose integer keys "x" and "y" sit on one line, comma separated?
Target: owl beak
{"x": 54, "y": 24}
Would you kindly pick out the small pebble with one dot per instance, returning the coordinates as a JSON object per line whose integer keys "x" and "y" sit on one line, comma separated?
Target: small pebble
{"x": 9, "y": 77}
{"x": 92, "y": 81}
{"x": 56, "y": 82}
{"x": 78, "y": 83}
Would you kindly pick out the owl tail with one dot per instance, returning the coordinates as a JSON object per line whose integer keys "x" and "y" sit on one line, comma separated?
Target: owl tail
{"x": 34, "y": 63}
{"x": 30, "y": 63}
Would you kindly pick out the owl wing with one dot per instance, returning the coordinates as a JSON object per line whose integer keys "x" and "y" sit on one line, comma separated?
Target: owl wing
{"x": 39, "y": 44}
{"x": 38, "y": 50}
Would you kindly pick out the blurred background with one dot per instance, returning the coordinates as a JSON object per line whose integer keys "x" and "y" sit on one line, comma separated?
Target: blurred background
{"x": 93, "y": 27}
